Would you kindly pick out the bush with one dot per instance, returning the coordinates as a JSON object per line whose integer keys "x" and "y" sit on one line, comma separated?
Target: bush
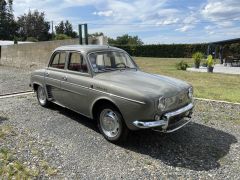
{"x": 210, "y": 61}
{"x": 164, "y": 50}
{"x": 182, "y": 66}
{"x": 61, "y": 37}
{"x": 31, "y": 39}
{"x": 197, "y": 57}
{"x": 204, "y": 63}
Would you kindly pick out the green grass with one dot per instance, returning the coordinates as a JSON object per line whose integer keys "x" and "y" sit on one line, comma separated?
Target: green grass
{"x": 206, "y": 85}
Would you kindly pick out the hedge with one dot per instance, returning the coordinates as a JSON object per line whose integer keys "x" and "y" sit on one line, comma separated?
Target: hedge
{"x": 165, "y": 51}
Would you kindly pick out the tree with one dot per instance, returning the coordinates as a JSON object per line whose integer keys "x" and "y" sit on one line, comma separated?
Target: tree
{"x": 60, "y": 28}
{"x": 235, "y": 48}
{"x": 96, "y": 34}
{"x": 61, "y": 37}
{"x": 126, "y": 40}
{"x": 34, "y": 25}
{"x": 65, "y": 28}
{"x": 8, "y": 26}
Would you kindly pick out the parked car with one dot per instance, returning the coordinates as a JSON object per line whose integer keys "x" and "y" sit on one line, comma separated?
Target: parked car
{"x": 104, "y": 83}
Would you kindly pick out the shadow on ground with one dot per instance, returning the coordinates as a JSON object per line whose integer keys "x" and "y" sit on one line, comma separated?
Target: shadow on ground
{"x": 196, "y": 147}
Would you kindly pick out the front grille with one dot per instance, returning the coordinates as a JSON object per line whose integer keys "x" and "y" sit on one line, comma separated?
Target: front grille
{"x": 176, "y": 119}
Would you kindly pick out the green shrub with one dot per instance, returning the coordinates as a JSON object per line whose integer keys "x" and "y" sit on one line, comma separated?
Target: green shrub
{"x": 61, "y": 37}
{"x": 31, "y": 39}
{"x": 182, "y": 66}
{"x": 197, "y": 57}
{"x": 204, "y": 63}
{"x": 164, "y": 50}
{"x": 210, "y": 61}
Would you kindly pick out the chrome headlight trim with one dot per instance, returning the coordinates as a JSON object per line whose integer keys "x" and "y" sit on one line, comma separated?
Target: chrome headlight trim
{"x": 190, "y": 93}
{"x": 161, "y": 103}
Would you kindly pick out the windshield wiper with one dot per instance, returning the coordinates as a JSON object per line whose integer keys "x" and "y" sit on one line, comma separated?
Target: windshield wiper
{"x": 126, "y": 67}
{"x": 108, "y": 69}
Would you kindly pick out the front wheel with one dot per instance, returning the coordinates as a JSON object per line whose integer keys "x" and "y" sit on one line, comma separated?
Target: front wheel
{"x": 111, "y": 124}
{"x": 42, "y": 97}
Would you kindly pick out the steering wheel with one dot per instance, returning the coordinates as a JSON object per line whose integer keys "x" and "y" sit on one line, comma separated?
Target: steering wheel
{"x": 119, "y": 65}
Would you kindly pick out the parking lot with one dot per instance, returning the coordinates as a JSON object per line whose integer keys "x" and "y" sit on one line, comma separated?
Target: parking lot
{"x": 13, "y": 80}
{"x": 207, "y": 148}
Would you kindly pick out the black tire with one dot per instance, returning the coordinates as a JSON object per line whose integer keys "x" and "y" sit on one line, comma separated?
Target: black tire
{"x": 122, "y": 131}
{"x": 42, "y": 97}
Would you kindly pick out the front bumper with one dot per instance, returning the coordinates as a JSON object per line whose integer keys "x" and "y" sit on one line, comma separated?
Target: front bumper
{"x": 165, "y": 123}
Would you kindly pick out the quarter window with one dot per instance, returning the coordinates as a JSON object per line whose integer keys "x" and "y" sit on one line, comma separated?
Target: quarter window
{"x": 77, "y": 63}
{"x": 59, "y": 60}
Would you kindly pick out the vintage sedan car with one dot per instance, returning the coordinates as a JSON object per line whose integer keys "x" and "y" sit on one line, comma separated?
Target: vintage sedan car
{"x": 104, "y": 83}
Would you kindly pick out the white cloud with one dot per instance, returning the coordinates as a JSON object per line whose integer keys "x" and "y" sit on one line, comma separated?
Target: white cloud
{"x": 104, "y": 13}
{"x": 185, "y": 28}
{"x": 223, "y": 12}
{"x": 168, "y": 21}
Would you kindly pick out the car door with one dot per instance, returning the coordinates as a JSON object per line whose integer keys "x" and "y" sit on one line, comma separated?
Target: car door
{"x": 54, "y": 74}
{"x": 76, "y": 83}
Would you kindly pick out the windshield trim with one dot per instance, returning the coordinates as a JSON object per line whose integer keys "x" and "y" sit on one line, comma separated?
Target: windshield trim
{"x": 111, "y": 50}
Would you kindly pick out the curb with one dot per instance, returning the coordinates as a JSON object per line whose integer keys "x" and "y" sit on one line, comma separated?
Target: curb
{"x": 15, "y": 94}
{"x": 217, "y": 101}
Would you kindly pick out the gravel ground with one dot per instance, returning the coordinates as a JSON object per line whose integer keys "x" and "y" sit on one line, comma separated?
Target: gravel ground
{"x": 207, "y": 148}
{"x": 13, "y": 80}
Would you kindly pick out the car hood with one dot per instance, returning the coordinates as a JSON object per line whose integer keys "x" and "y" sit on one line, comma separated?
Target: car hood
{"x": 145, "y": 83}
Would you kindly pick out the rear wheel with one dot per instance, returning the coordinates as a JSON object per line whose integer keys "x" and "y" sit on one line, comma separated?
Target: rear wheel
{"x": 111, "y": 124}
{"x": 42, "y": 97}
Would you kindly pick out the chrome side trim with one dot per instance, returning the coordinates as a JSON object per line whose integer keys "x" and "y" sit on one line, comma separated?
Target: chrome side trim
{"x": 110, "y": 94}
{"x": 164, "y": 122}
{"x": 52, "y": 79}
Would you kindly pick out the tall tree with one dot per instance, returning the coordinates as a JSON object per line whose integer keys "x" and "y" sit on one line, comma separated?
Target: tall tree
{"x": 126, "y": 40}
{"x": 34, "y": 25}
{"x": 8, "y": 26}
{"x": 65, "y": 28}
{"x": 60, "y": 28}
{"x": 96, "y": 34}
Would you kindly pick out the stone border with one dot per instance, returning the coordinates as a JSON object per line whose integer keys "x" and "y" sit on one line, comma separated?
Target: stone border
{"x": 218, "y": 101}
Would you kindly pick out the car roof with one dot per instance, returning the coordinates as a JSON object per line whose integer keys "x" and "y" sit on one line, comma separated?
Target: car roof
{"x": 86, "y": 48}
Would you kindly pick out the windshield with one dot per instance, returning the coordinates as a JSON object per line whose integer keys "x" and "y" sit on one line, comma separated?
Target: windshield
{"x": 110, "y": 61}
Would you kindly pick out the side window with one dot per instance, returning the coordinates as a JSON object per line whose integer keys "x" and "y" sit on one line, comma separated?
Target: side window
{"x": 77, "y": 63}
{"x": 58, "y": 60}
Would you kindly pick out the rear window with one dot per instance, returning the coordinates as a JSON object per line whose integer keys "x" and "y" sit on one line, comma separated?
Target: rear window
{"x": 58, "y": 60}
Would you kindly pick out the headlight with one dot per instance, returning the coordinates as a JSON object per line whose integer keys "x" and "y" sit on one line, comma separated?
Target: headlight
{"x": 161, "y": 103}
{"x": 190, "y": 93}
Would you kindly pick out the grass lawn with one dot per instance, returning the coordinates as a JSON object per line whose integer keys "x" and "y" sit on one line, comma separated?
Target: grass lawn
{"x": 206, "y": 85}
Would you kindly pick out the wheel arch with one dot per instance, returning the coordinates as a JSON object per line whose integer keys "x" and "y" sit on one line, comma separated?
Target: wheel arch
{"x": 35, "y": 85}
{"x": 100, "y": 101}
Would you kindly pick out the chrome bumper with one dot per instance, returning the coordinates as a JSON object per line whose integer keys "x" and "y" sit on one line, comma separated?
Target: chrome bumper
{"x": 164, "y": 122}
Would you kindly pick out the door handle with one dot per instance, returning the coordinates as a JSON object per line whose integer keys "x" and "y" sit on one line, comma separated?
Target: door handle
{"x": 65, "y": 78}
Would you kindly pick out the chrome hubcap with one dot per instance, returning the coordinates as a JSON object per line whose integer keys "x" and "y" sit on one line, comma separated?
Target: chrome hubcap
{"x": 109, "y": 123}
{"x": 41, "y": 95}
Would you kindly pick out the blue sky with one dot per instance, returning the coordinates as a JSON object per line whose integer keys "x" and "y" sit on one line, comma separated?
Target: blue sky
{"x": 154, "y": 21}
